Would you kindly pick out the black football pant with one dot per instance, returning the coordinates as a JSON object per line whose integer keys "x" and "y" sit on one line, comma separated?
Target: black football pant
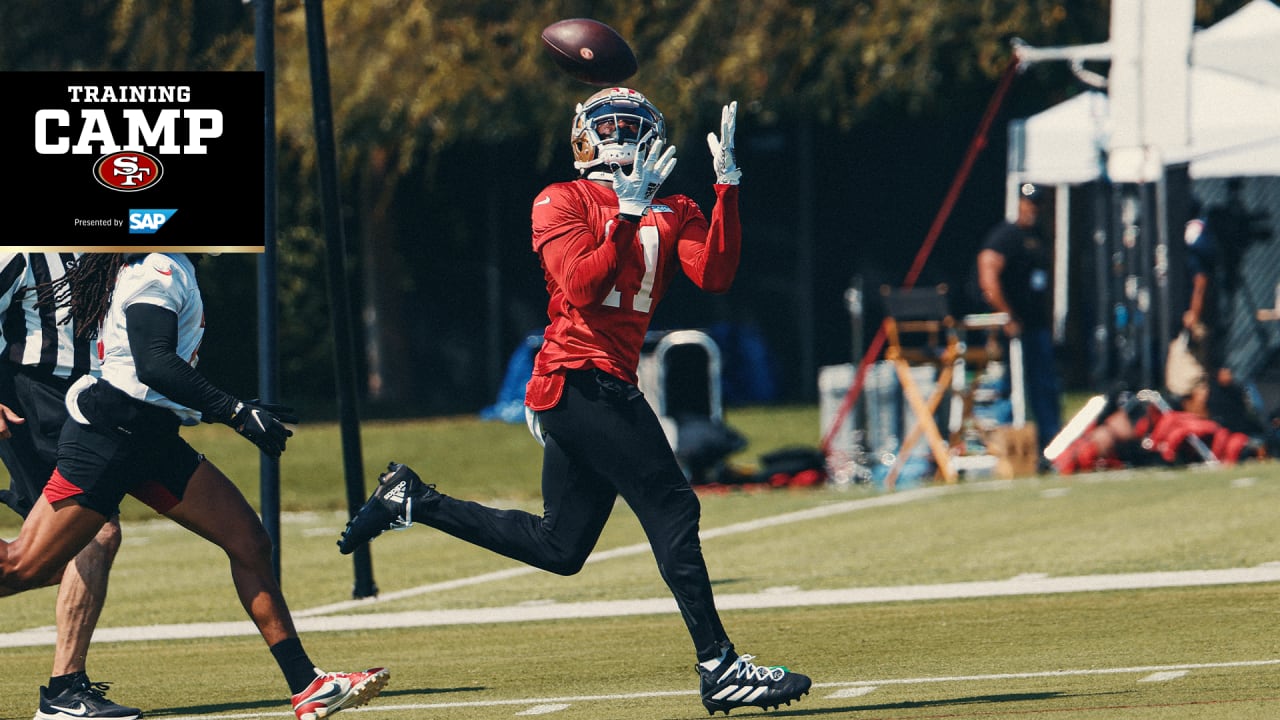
{"x": 602, "y": 440}
{"x": 31, "y": 452}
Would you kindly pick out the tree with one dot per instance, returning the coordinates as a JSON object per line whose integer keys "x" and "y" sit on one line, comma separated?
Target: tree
{"x": 449, "y": 118}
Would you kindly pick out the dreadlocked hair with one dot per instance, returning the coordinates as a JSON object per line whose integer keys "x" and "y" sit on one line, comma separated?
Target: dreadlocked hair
{"x": 85, "y": 290}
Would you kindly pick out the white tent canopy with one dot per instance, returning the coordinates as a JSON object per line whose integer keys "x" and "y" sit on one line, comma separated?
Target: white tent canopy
{"x": 1062, "y": 145}
{"x": 1235, "y": 125}
{"x": 1234, "y": 113}
{"x": 1243, "y": 44}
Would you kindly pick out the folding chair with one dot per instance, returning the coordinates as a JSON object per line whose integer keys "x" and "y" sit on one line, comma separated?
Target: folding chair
{"x": 922, "y": 311}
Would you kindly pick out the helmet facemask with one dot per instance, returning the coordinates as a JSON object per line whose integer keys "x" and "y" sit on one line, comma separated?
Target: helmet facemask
{"x": 609, "y": 128}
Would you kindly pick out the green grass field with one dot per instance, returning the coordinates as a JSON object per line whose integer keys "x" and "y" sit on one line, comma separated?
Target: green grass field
{"x": 921, "y": 604}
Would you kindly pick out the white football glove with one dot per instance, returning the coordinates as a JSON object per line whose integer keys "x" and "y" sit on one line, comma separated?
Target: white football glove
{"x": 649, "y": 170}
{"x": 726, "y": 166}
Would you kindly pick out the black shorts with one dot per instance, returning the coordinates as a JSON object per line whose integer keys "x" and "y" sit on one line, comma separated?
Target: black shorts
{"x": 32, "y": 449}
{"x": 130, "y": 448}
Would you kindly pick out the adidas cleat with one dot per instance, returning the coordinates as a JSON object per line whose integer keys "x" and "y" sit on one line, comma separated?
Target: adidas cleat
{"x": 737, "y": 682}
{"x": 389, "y": 507}
{"x": 83, "y": 700}
{"x": 335, "y": 691}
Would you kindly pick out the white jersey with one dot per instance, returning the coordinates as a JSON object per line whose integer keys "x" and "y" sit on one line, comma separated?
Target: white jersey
{"x": 169, "y": 281}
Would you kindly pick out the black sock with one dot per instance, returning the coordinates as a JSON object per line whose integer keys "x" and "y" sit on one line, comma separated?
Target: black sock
{"x": 294, "y": 663}
{"x": 62, "y": 682}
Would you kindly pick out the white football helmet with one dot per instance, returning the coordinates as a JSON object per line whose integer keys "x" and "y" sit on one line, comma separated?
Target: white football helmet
{"x": 610, "y": 125}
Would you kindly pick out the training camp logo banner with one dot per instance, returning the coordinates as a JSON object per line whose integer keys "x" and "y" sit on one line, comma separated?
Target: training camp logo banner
{"x": 134, "y": 161}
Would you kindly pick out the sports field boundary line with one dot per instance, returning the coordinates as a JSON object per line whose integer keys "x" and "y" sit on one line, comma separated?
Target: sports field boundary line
{"x": 781, "y": 598}
{"x": 384, "y": 706}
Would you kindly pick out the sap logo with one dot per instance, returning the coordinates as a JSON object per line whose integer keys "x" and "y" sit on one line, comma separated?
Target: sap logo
{"x": 128, "y": 171}
{"x": 146, "y": 222}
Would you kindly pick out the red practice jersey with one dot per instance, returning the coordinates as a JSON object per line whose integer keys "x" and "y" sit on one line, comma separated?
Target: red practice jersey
{"x": 605, "y": 276}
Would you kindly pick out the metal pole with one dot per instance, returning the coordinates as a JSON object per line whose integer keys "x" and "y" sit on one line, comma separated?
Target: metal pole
{"x": 1126, "y": 283}
{"x": 1142, "y": 273}
{"x": 339, "y": 296}
{"x": 1161, "y": 324}
{"x": 1102, "y": 280}
{"x": 268, "y": 360}
{"x": 854, "y": 299}
{"x": 493, "y": 290}
{"x": 805, "y": 262}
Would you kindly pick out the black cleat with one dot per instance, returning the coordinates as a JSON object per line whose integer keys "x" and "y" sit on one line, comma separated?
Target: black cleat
{"x": 83, "y": 700}
{"x": 740, "y": 683}
{"x": 389, "y": 507}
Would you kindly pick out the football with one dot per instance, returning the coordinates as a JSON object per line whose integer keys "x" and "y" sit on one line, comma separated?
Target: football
{"x": 590, "y": 51}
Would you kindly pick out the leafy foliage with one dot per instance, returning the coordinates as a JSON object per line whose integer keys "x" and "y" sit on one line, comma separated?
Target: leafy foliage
{"x": 409, "y": 76}
{"x": 421, "y": 89}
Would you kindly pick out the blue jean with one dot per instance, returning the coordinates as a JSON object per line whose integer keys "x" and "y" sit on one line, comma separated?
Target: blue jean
{"x": 1040, "y": 376}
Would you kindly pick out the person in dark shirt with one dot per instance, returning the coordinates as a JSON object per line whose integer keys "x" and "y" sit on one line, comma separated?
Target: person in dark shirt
{"x": 1014, "y": 272}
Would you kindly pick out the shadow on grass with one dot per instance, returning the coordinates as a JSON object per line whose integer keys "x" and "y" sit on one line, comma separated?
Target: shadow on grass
{"x": 214, "y": 708}
{"x": 915, "y": 704}
{"x": 726, "y": 582}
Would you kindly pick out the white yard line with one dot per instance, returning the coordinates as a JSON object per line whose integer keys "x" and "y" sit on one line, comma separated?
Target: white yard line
{"x": 1023, "y": 585}
{"x": 1164, "y": 676}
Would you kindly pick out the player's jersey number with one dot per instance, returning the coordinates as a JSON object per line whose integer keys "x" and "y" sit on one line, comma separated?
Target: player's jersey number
{"x": 643, "y": 299}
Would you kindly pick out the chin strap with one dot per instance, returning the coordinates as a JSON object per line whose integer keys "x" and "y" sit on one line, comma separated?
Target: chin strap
{"x": 600, "y": 175}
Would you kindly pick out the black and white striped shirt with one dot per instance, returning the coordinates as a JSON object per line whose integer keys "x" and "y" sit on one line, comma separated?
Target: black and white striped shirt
{"x": 34, "y": 336}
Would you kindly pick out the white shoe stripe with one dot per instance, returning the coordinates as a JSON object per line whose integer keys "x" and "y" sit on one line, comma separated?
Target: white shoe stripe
{"x": 728, "y": 690}
{"x": 759, "y": 691}
{"x": 746, "y": 689}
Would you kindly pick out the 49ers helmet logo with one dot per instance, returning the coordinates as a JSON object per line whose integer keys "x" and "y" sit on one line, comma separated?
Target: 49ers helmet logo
{"x": 128, "y": 171}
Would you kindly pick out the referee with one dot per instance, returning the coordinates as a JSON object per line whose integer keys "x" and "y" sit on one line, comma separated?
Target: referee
{"x": 40, "y": 360}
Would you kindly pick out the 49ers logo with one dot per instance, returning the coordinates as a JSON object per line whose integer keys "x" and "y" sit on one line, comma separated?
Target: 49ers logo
{"x": 128, "y": 171}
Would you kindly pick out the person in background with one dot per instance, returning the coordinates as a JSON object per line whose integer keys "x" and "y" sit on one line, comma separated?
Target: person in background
{"x": 1014, "y": 272}
{"x": 1199, "y": 320}
{"x": 42, "y": 357}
